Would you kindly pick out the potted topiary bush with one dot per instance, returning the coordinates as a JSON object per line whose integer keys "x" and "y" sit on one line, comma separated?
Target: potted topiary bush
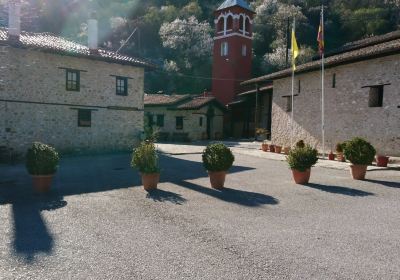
{"x": 361, "y": 154}
{"x": 300, "y": 160}
{"x": 145, "y": 159}
{"x": 264, "y": 146}
{"x": 339, "y": 150}
{"x": 217, "y": 159}
{"x": 42, "y": 162}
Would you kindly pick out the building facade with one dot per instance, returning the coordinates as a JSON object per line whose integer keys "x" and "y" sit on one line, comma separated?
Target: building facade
{"x": 362, "y": 97}
{"x": 180, "y": 118}
{"x": 73, "y": 97}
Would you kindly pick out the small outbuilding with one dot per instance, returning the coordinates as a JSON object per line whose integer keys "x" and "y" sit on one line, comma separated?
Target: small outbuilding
{"x": 185, "y": 117}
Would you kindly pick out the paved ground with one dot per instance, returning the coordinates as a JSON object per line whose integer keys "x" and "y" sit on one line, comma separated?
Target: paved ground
{"x": 98, "y": 223}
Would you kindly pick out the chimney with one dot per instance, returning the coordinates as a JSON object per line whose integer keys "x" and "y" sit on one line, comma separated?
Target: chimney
{"x": 93, "y": 34}
{"x": 14, "y": 20}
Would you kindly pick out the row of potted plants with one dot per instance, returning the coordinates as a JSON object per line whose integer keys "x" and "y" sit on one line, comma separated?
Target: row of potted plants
{"x": 217, "y": 159}
{"x": 381, "y": 161}
{"x": 358, "y": 151}
{"x": 42, "y": 162}
{"x": 274, "y": 148}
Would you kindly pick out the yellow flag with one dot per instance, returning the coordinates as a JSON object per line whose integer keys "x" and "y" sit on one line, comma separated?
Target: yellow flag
{"x": 295, "y": 50}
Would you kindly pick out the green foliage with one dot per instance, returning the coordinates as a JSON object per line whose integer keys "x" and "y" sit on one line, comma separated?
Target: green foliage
{"x": 302, "y": 158}
{"x": 145, "y": 158}
{"x": 41, "y": 159}
{"x": 359, "y": 151}
{"x": 300, "y": 144}
{"x": 217, "y": 157}
{"x": 340, "y": 147}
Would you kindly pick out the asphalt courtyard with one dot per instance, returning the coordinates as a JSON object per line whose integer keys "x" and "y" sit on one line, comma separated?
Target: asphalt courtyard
{"x": 98, "y": 223}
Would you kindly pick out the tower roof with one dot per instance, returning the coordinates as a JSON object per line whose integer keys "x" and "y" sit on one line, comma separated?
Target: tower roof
{"x": 233, "y": 3}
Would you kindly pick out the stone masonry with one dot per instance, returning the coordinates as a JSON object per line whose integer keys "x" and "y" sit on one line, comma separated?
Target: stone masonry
{"x": 191, "y": 121}
{"x": 347, "y": 113}
{"x": 35, "y": 105}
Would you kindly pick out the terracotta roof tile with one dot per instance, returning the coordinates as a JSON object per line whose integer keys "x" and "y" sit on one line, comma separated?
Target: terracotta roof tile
{"x": 163, "y": 99}
{"x": 51, "y": 43}
{"x": 196, "y": 103}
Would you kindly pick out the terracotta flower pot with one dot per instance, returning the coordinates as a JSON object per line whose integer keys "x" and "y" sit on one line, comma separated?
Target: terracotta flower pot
{"x": 150, "y": 181}
{"x": 286, "y": 150}
{"x": 42, "y": 183}
{"x": 272, "y": 148}
{"x": 278, "y": 149}
{"x": 358, "y": 171}
{"x": 340, "y": 157}
{"x": 382, "y": 161}
{"x": 331, "y": 156}
{"x": 217, "y": 179}
{"x": 301, "y": 178}
{"x": 264, "y": 147}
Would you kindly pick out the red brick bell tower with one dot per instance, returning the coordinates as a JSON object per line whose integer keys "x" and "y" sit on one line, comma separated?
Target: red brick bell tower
{"x": 232, "y": 48}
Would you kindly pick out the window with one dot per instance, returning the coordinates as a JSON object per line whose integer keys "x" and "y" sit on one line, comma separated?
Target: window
{"x": 149, "y": 119}
{"x": 241, "y": 23}
{"x": 179, "y": 123}
{"x": 288, "y": 104}
{"x": 244, "y": 50}
{"x": 247, "y": 26}
{"x": 160, "y": 120}
{"x": 84, "y": 118}
{"x": 220, "y": 25}
{"x": 375, "y": 96}
{"x": 73, "y": 80}
{"x": 201, "y": 121}
{"x": 224, "y": 49}
{"x": 334, "y": 81}
{"x": 121, "y": 86}
{"x": 229, "y": 23}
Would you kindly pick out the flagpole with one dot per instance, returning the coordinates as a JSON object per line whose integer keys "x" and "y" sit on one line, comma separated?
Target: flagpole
{"x": 323, "y": 87}
{"x": 292, "y": 113}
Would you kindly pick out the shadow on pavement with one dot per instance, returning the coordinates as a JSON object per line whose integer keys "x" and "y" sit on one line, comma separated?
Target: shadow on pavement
{"x": 179, "y": 171}
{"x": 31, "y": 234}
{"x": 384, "y": 183}
{"x": 338, "y": 190}
{"x": 165, "y": 196}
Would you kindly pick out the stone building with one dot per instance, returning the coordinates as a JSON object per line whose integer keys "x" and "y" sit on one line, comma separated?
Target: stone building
{"x": 75, "y": 97}
{"x": 185, "y": 117}
{"x": 362, "y": 96}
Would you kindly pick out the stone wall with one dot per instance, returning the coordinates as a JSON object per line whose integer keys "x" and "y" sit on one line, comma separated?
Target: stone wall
{"x": 347, "y": 113}
{"x": 39, "y": 108}
{"x": 191, "y": 122}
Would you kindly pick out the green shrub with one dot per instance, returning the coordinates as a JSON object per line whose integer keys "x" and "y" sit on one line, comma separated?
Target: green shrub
{"x": 42, "y": 159}
{"x": 340, "y": 147}
{"x": 217, "y": 157}
{"x": 145, "y": 158}
{"x": 302, "y": 158}
{"x": 359, "y": 151}
{"x": 300, "y": 144}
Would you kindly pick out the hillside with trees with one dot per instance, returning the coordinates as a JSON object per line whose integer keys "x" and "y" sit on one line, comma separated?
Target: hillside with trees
{"x": 177, "y": 34}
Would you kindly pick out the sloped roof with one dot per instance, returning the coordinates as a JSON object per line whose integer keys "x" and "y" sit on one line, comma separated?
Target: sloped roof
{"x": 180, "y": 102}
{"x": 196, "y": 103}
{"x": 163, "y": 99}
{"x": 233, "y": 3}
{"x": 359, "y": 54}
{"x": 50, "y": 43}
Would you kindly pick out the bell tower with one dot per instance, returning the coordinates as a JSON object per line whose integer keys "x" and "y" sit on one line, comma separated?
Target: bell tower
{"x": 232, "y": 48}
